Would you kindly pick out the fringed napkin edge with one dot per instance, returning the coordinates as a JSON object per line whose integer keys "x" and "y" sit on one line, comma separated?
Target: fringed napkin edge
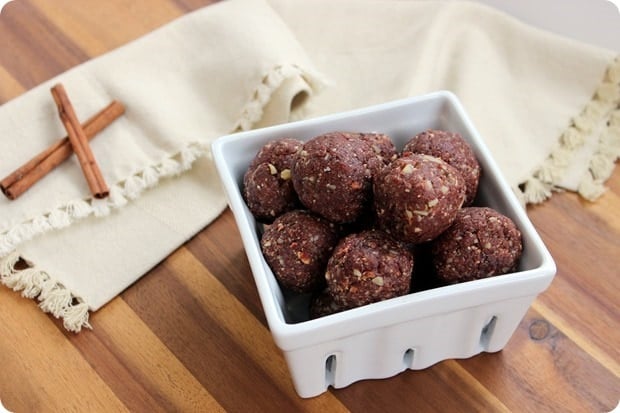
{"x": 599, "y": 119}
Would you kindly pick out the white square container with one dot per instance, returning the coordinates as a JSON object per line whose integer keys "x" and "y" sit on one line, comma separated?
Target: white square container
{"x": 409, "y": 332}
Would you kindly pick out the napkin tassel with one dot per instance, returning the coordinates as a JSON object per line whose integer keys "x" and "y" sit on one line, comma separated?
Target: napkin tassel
{"x": 131, "y": 188}
{"x": 54, "y": 298}
{"x": 599, "y": 119}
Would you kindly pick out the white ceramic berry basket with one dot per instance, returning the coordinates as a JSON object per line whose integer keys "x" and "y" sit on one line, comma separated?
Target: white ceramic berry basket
{"x": 410, "y": 332}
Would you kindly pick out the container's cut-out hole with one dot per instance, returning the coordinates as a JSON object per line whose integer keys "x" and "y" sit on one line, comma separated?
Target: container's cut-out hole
{"x": 408, "y": 358}
{"x": 330, "y": 370}
{"x": 487, "y": 332}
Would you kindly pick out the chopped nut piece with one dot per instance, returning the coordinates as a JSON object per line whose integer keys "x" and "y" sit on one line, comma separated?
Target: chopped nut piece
{"x": 285, "y": 174}
{"x": 303, "y": 257}
{"x": 272, "y": 169}
{"x": 378, "y": 281}
{"x": 407, "y": 169}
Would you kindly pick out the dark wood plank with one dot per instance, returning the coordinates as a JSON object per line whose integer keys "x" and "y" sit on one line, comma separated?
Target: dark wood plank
{"x": 33, "y": 49}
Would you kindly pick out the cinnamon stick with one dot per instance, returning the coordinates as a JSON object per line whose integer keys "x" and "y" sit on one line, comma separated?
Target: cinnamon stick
{"x": 79, "y": 143}
{"x": 34, "y": 170}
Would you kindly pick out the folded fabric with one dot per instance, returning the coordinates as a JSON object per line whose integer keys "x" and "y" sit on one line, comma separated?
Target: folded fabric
{"x": 227, "y": 67}
{"x": 546, "y": 106}
{"x": 542, "y": 102}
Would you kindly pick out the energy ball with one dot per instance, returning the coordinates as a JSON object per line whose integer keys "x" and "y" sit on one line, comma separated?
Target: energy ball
{"x": 452, "y": 148}
{"x": 367, "y": 267}
{"x": 480, "y": 243}
{"x": 280, "y": 152}
{"x": 417, "y": 197}
{"x": 297, "y": 247}
{"x": 323, "y": 304}
{"x": 332, "y": 178}
{"x": 267, "y": 186}
{"x": 381, "y": 148}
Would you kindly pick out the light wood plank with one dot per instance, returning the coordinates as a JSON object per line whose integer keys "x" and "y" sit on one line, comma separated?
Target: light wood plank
{"x": 41, "y": 370}
{"x": 9, "y": 86}
{"x": 97, "y": 27}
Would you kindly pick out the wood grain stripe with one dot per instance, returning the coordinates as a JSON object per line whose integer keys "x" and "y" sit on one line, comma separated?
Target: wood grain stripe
{"x": 220, "y": 246}
{"x": 9, "y": 86}
{"x": 474, "y": 387}
{"x": 191, "y": 332}
{"x": 135, "y": 346}
{"x": 42, "y": 361}
{"x": 586, "y": 286}
{"x": 35, "y": 49}
{"x": 549, "y": 370}
{"x": 241, "y": 326}
{"x": 96, "y": 28}
{"x": 605, "y": 360}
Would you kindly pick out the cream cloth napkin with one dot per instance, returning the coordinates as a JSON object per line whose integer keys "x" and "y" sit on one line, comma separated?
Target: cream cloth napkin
{"x": 546, "y": 106}
{"x": 226, "y": 67}
{"x": 534, "y": 96}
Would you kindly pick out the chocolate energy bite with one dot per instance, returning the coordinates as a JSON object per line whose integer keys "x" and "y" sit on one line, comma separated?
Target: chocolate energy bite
{"x": 480, "y": 243}
{"x": 323, "y": 304}
{"x": 267, "y": 186}
{"x": 381, "y": 148}
{"x": 452, "y": 148}
{"x": 332, "y": 178}
{"x": 297, "y": 247}
{"x": 280, "y": 152}
{"x": 417, "y": 197}
{"x": 367, "y": 267}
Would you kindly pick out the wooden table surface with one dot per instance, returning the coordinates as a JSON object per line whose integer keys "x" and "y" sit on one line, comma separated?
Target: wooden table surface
{"x": 191, "y": 335}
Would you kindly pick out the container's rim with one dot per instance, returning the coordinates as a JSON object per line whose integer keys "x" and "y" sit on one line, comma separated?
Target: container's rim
{"x": 221, "y": 142}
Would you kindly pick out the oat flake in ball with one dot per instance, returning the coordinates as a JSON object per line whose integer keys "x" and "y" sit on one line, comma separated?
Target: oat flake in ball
{"x": 480, "y": 243}
{"x": 332, "y": 178}
{"x": 367, "y": 267}
{"x": 296, "y": 247}
{"x": 417, "y": 197}
{"x": 452, "y": 148}
{"x": 267, "y": 186}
